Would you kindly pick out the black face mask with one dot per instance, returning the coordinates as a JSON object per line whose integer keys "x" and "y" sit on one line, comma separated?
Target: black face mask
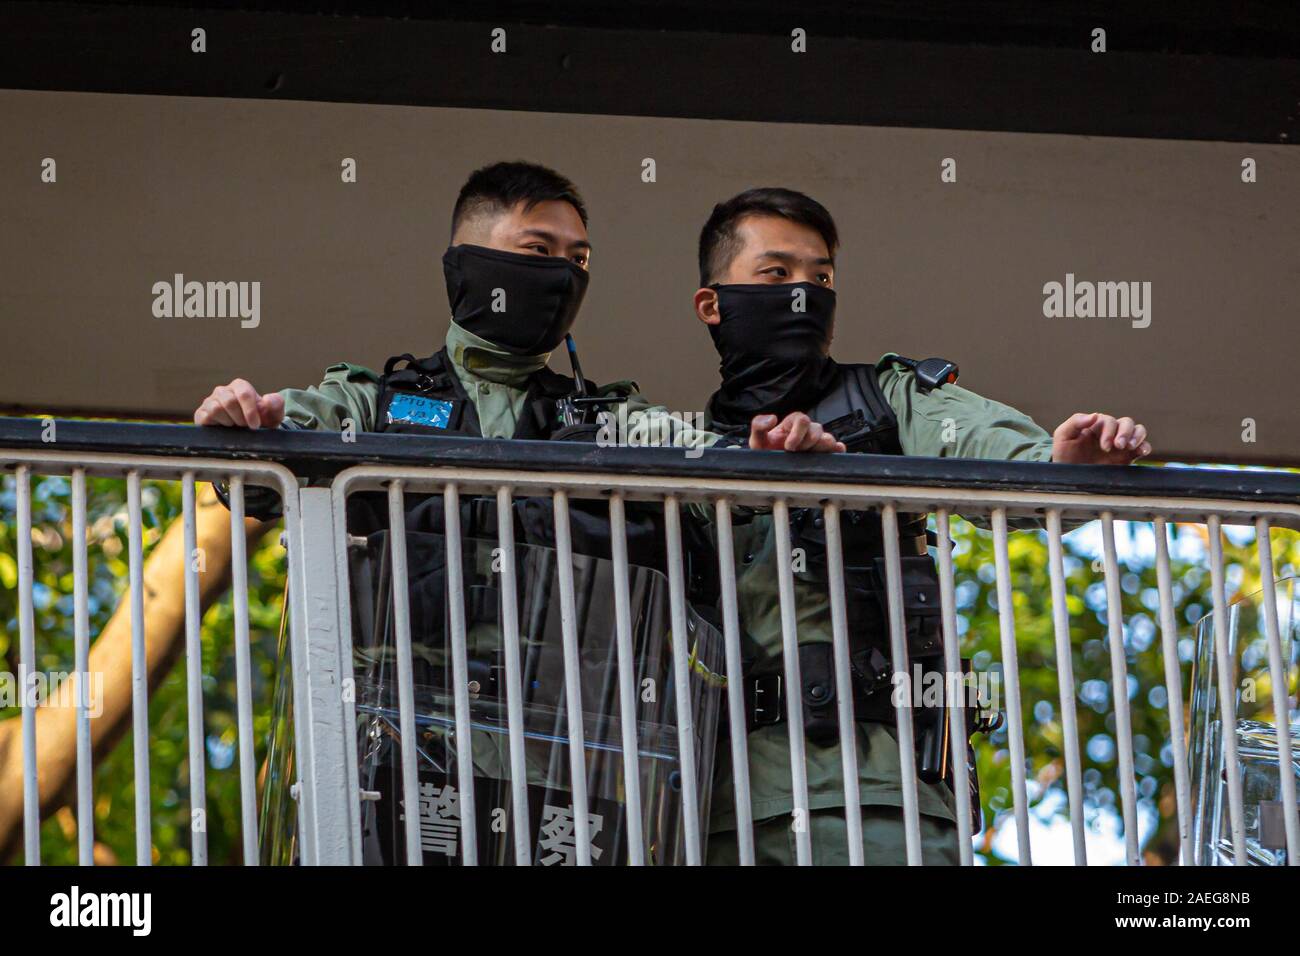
{"x": 775, "y": 360}
{"x": 538, "y": 296}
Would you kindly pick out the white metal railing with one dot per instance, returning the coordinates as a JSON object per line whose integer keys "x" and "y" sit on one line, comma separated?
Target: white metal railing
{"x": 329, "y": 790}
{"x": 134, "y": 468}
{"x": 890, "y": 500}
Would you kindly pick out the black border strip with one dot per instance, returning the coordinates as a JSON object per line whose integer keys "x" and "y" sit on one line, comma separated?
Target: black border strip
{"x": 1229, "y": 72}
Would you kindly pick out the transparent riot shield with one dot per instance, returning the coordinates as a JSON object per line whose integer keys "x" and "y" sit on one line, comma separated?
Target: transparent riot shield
{"x": 1261, "y": 763}
{"x": 545, "y": 721}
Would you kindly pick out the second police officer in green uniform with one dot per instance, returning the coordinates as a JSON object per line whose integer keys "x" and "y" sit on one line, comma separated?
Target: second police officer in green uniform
{"x": 760, "y": 253}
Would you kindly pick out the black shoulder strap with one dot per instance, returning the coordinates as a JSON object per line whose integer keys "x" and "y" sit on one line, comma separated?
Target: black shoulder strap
{"x": 856, "y": 412}
{"x": 425, "y": 374}
{"x": 552, "y": 384}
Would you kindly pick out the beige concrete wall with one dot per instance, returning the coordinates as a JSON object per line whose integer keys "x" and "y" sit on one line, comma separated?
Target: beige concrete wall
{"x": 250, "y": 190}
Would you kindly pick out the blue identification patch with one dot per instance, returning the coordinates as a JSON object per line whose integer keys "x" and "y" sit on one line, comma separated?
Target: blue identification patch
{"x": 416, "y": 410}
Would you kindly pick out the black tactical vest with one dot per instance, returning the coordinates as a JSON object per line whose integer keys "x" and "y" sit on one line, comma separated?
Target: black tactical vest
{"x": 425, "y": 396}
{"x": 857, "y": 413}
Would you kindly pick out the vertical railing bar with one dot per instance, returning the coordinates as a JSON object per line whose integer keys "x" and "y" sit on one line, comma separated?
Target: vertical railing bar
{"x": 81, "y": 679}
{"x": 1174, "y": 691}
{"x": 514, "y": 678}
{"x": 899, "y": 662}
{"x": 194, "y": 680}
{"x": 405, "y": 677}
{"x": 682, "y": 654}
{"x": 1278, "y": 678}
{"x": 1119, "y": 691}
{"x": 139, "y": 674}
{"x": 343, "y": 592}
{"x": 952, "y": 663}
{"x": 1227, "y": 688}
{"x": 572, "y": 679}
{"x": 304, "y": 742}
{"x": 793, "y": 684}
{"x": 27, "y": 671}
{"x": 1011, "y": 671}
{"x": 843, "y": 683}
{"x": 738, "y": 736}
{"x": 1065, "y": 682}
{"x": 243, "y": 672}
{"x": 460, "y": 675}
{"x": 327, "y": 673}
{"x": 626, "y": 681}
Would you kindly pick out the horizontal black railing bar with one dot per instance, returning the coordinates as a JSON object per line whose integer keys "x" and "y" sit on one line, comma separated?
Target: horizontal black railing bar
{"x": 321, "y": 455}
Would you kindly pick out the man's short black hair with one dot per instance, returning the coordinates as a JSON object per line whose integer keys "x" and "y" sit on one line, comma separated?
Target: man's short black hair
{"x": 719, "y": 243}
{"x": 501, "y": 186}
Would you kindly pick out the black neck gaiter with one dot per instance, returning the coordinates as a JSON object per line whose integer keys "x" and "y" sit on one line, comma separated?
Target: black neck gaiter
{"x": 775, "y": 358}
{"x": 523, "y": 304}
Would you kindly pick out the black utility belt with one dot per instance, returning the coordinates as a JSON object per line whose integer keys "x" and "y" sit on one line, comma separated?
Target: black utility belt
{"x": 765, "y": 701}
{"x": 937, "y": 755}
{"x": 765, "y": 694}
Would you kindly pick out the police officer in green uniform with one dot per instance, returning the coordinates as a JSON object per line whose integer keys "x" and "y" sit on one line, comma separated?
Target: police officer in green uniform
{"x": 516, "y": 274}
{"x": 767, "y": 271}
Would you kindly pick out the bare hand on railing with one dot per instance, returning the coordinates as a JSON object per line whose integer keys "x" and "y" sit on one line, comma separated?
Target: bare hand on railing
{"x": 795, "y": 432}
{"x": 1098, "y": 439}
{"x": 238, "y": 405}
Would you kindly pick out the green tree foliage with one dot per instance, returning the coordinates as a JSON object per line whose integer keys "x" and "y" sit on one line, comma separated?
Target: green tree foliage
{"x": 108, "y": 576}
{"x": 1091, "y": 659}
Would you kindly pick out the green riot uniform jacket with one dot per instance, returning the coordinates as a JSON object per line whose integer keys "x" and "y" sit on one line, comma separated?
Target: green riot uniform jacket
{"x": 495, "y": 382}
{"x": 948, "y": 421}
